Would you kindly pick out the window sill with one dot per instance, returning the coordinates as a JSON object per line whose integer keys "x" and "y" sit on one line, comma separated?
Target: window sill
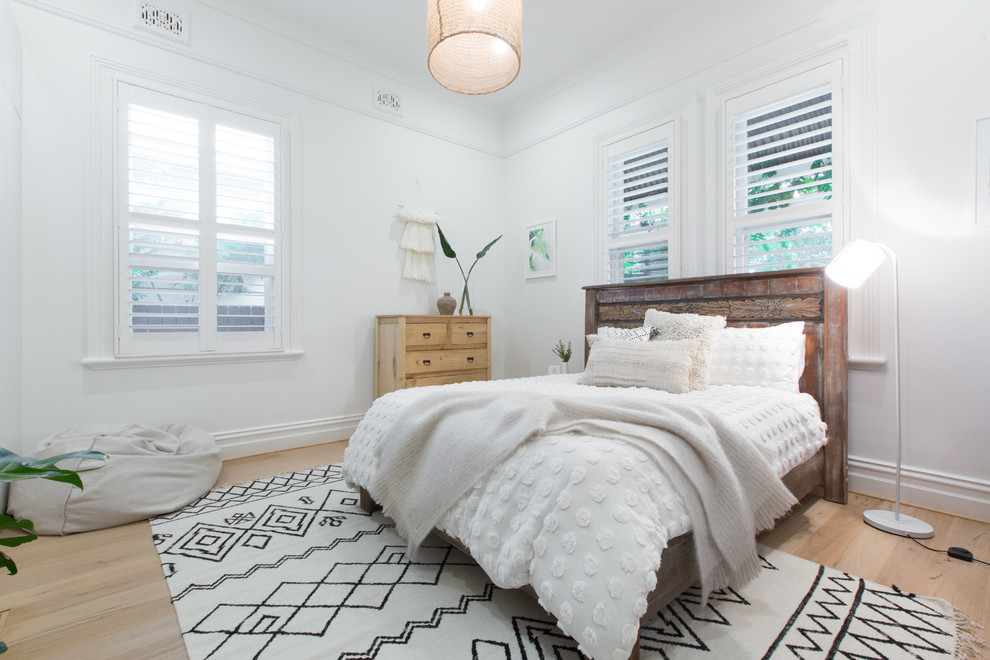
{"x": 864, "y": 363}
{"x": 183, "y": 360}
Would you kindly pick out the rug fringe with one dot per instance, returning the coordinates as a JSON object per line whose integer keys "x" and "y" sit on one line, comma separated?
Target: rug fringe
{"x": 970, "y": 644}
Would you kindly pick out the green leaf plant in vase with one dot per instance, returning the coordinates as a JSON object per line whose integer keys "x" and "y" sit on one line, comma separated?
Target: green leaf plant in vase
{"x": 563, "y": 352}
{"x": 18, "y": 468}
{"x": 450, "y": 254}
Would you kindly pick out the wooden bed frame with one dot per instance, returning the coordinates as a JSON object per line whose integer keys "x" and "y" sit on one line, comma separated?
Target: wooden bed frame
{"x": 748, "y": 300}
{"x": 756, "y": 300}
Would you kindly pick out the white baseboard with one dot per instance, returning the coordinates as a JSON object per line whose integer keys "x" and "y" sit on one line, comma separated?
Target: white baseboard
{"x": 278, "y": 437}
{"x": 925, "y": 488}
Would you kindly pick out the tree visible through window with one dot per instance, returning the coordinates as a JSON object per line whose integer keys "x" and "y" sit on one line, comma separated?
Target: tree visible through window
{"x": 782, "y": 180}
{"x": 647, "y": 263}
{"x": 638, "y": 228}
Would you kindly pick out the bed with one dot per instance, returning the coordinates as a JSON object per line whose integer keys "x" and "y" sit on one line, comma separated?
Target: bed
{"x": 751, "y": 300}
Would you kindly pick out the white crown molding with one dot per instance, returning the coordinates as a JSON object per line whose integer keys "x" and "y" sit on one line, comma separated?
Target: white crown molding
{"x": 683, "y": 73}
{"x": 345, "y": 52}
{"x": 640, "y": 44}
{"x": 184, "y": 51}
{"x": 279, "y": 437}
{"x": 951, "y": 493}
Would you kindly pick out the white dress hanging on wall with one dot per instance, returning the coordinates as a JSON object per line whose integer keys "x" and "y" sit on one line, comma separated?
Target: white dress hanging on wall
{"x": 418, "y": 243}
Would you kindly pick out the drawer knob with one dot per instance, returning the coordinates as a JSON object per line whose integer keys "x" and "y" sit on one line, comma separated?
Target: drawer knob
{"x": 470, "y": 333}
{"x": 426, "y": 335}
{"x": 470, "y": 360}
{"x": 426, "y": 363}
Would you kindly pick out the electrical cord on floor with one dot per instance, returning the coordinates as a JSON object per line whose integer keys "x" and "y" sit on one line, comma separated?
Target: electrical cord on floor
{"x": 954, "y": 552}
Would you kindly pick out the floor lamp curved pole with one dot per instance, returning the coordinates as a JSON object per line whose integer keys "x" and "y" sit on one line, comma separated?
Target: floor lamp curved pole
{"x": 851, "y": 268}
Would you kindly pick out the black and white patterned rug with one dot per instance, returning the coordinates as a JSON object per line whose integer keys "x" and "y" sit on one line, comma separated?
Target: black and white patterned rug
{"x": 290, "y": 567}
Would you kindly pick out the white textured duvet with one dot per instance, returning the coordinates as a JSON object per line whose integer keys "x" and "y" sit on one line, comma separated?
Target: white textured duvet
{"x": 584, "y": 519}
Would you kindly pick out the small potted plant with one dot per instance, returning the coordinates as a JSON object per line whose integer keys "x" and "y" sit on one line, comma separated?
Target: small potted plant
{"x": 564, "y": 353}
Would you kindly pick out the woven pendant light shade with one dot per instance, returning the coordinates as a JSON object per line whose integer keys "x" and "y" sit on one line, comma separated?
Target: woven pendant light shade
{"x": 475, "y": 45}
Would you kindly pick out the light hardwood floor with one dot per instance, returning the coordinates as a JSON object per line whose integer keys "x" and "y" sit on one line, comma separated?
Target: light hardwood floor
{"x": 102, "y": 594}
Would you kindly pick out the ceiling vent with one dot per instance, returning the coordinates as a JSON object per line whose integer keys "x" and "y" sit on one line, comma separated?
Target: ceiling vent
{"x": 163, "y": 21}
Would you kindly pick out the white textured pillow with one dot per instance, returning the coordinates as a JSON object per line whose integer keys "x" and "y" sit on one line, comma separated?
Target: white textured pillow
{"x": 689, "y": 326}
{"x": 644, "y": 333}
{"x": 766, "y": 357}
{"x": 658, "y": 365}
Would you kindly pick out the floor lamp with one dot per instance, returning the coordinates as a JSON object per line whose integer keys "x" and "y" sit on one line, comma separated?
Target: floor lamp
{"x": 851, "y": 268}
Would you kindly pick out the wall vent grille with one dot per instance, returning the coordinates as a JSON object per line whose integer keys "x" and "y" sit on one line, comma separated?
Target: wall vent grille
{"x": 164, "y": 22}
{"x": 387, "y": 101}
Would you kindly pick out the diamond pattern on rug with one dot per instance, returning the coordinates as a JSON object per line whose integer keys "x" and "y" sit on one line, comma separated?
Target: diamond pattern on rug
{"x": 261, "y": 488}
{"x": 290, "y": 566}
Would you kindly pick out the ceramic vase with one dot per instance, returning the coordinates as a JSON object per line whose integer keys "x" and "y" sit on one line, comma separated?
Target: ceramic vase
{"x": 447, "y": 304}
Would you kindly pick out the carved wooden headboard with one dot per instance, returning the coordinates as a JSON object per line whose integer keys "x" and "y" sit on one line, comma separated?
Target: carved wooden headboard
{"x": 756, "y": 300}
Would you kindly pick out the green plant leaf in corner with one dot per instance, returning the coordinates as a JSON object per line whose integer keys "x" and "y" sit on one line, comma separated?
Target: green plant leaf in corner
{"x": 485, "y": 250}
{"x": 18, "y": 468}
{"x": 445, "y": 246}
{"x": 8, "y": 563}
{"x": 25, "y": 534}
{"x": 88, "y": 454}
{"x": 24, "y": 472}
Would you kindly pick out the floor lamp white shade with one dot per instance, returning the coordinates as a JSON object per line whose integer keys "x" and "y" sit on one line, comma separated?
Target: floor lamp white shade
{"x": 851, "y": 268}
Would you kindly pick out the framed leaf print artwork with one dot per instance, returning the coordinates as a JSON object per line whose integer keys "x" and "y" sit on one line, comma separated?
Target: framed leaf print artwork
{"x": 541, "y": 250}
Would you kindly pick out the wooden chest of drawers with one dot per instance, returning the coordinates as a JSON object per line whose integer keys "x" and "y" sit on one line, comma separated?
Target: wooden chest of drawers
{"x": 412, "y": 351}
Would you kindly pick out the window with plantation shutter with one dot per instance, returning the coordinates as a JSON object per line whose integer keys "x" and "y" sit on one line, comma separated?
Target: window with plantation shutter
{"x": 783, "y": 173}
{"x": 199, "y": 227}
{"x": 639, "y": 224}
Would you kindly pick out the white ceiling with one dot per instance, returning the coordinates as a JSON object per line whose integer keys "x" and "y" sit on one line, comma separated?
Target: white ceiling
{"x": 558, "y": 35}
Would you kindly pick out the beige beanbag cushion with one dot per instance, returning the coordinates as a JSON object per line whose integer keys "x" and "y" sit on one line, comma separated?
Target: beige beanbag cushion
{"x": 152, "y": 470}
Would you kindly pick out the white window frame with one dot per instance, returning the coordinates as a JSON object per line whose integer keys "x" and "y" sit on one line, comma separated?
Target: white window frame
{"x": 857, "y": 53}
{"x": 669, "y": 125}
{"x": 106, "y": 273}
{"x": 757, "y": 95}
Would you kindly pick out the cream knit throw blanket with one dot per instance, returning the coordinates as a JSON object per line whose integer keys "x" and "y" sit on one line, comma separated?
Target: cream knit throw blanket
{"x": 445, "y": 443}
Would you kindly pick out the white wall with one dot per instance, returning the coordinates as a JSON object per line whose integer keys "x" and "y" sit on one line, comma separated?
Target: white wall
{"x": 353, "y": 166}
{"x": 10, "y": 229}
{"x": 929, "y": 94}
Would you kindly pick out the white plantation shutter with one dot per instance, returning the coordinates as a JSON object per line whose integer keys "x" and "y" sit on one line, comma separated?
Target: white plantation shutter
{"x": 784, "y": 245}
{"x": 246, "y": 246}
{"x": 639, "y": 230}
{"x": 645, "y": 262}
{"x": 198, "y": 227}
{"x": 784, "y": 173}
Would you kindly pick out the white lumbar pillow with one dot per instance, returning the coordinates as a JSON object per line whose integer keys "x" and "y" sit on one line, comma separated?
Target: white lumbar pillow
{"x": 658, "y": 365}
{"x": 151, "y": 471}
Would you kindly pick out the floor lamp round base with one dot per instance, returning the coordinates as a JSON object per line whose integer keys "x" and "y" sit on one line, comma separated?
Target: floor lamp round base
{"x": 901, "y": 525}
